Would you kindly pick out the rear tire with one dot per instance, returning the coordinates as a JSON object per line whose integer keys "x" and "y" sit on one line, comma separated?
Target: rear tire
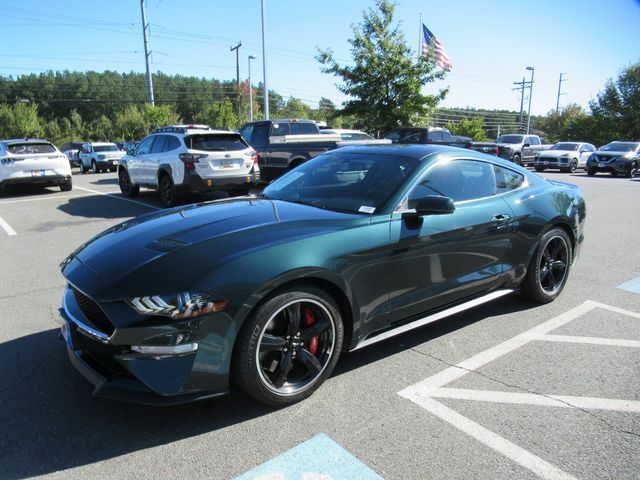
{"x": 168, "y": 193}
{"x": 66, "y": 186}
{"x": 288, "y": 346}
{"x": 124, "y": 181}
{"x": 549, "y": 268}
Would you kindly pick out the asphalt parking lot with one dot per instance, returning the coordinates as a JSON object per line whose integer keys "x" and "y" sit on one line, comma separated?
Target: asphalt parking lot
{"x": 508, "y": 390}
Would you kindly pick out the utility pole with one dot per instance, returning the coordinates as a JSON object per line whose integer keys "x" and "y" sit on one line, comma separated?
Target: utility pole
{"x": 264, "y": 61}
{"x": 237, "y": 49}
{"x": 521, "y": 88}
{"x": 147, "y": 53}
{"x": 530, "y": 95}
{"x": 559, "y": 89}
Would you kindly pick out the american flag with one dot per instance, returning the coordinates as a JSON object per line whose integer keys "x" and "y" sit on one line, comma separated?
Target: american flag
{"x": 431, "y": 47}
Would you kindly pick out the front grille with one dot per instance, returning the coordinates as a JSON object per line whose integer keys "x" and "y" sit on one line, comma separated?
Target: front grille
{"x": 96, "y": 318}
{"x": 550, "y": 159}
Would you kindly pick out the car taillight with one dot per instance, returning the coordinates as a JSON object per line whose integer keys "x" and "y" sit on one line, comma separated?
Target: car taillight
{"x": 255, "y": 157}
{"x": 190, "y": 158}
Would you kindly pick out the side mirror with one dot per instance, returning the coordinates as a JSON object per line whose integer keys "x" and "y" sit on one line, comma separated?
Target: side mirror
{"x": 526, "y": 145}
{"x": 431, "y": 205}
{"x": 132, "y": 152}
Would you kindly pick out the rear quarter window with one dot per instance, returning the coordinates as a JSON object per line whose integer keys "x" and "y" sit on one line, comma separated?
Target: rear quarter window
{"x": 215, "y": 143}
{"x": 27, "y": 148}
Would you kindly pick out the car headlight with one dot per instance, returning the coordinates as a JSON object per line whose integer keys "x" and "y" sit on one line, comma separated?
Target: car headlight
{"x": 101, "y": 157}
{"x": 564, "y": 155}
{"x": 179, "y": 306}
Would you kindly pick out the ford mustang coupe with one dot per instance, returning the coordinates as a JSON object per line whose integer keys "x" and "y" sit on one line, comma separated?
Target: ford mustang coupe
{"x": 352, "y": 247}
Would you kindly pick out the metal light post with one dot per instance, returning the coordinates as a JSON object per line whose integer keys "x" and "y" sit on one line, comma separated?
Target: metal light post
{"x": 530, "y": 95}
{"x": 251, "y": 57}
{"x": 264, "y": 61}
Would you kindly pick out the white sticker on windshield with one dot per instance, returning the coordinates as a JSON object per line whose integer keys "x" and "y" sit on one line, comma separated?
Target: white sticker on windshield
{"x": 366, "y": 209}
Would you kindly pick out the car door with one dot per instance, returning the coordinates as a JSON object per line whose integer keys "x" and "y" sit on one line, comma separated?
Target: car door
{"x": 447, "y": 258}
{"x": 135, "y": 163}
{"x": 586, "y": 149}
{"x": 151, "y": 161}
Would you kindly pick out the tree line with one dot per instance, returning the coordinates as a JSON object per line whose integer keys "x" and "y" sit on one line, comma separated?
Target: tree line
{"x": 386, "y": 86}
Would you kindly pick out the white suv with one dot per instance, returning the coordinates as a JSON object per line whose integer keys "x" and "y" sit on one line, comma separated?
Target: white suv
{"x": 28, "y": 161}
{"x": 99, "y": 157}
{"x": 189, "y": 158}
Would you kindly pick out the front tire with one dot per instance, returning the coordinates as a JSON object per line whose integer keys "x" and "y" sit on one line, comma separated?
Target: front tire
{"x": 591, "y": 172}
{"x": 539, "y": 168}
{"x": 549, "y": 268}
{"x": 124, "y": 181}
{"x": 573, "y": 168}
{"x": 288, "y": 346}
{"x": 83, "y": 167}
{"x": 94, "y": 166}
{"x": 633, "y": 170}
{"x": 66, "y": 186}
{"x": 517, "y": 160}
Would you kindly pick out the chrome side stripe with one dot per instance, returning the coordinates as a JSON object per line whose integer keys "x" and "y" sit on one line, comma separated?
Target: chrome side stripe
{"x": 432, "y": 318}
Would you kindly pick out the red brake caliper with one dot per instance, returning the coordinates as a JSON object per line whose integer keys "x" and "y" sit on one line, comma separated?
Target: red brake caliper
{"x": 310, "y": 319}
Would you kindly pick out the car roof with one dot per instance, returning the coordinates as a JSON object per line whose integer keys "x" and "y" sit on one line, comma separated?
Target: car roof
{"x": 342, "y": 130}
{"x": 101, "y": 144}
{"x": 25, "y": 140}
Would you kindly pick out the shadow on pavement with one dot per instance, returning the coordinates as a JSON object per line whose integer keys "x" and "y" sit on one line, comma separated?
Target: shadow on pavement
{"x": 102, "y": 206}
{"x": 50, "y": 422}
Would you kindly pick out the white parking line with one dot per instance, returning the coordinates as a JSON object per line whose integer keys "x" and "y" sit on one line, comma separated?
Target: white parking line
{"x": 7, "y": 228}
{"x": 423, "y": 392}
{"x": 119, "y": 197}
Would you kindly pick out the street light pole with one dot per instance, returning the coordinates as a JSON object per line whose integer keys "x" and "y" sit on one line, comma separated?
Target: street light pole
{"x": 530, "y": 95}
{"x": 264, "y": 61}
{"x": 251, "y": 57}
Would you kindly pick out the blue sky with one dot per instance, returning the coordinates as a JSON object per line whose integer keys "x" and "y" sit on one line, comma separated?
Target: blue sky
{"x": 489, "y": 43}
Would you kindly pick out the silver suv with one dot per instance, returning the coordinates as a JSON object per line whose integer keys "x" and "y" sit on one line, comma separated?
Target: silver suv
{"x": 189, "y": 158}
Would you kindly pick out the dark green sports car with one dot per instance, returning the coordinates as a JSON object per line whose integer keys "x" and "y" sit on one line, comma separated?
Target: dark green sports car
{"x": 352, "y": 247}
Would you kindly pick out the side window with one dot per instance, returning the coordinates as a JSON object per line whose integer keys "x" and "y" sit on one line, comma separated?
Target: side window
{"x": 278, "y": 129}
{"x": 259, "y": 137}
{"x": 145, "y": 146}
{"x": 507, "y": 180}
{"x": 172, "y": 143}
{"x": 308, "y": 129}
{"x": 294, "y": 129}
{"x": 393, "y": 135}
{"x": 159, "y": 145}
{"x": 435, "y": 136}
{"x": 412, "y": 136}
{"x": 246, "y": 133}
{"x": 460, "y": 180}
{"x": 533, "y": 140}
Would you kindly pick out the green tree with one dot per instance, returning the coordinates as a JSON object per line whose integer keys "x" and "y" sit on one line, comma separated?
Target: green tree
{"x": 469, "y": 127}
{"x": 616, "y": 111}
{"x": 557, "y": 126}
{"x": 220, "y": 114}
{"x": 386, "y": 80}
{"x": 20, "y": 120}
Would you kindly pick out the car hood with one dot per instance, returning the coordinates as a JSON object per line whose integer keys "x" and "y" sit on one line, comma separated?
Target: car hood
{"x": 556, "y": 153}
{"x": 200, "y": 235}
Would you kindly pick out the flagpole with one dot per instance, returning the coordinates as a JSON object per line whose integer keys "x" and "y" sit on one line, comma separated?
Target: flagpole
{"x": 420, "y": 36}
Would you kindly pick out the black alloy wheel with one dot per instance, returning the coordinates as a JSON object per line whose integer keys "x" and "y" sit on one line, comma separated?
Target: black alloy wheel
{"x": 633, "y": 169}
{"x": 124, "y": 181}
{"x": 574, "y": 166}
{"x": 168, "y": 193}
{"x": 549, "y": 269}
{"x": 289, "y": 346}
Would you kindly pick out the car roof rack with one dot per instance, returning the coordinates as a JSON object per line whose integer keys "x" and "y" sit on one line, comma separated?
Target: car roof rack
{"x": 180, "y": 128}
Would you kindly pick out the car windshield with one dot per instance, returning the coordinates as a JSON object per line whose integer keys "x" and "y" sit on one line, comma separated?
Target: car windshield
{"x": 509, "y": 139}
{"x": 619, "y": 147}
{"x": 344, "y": 182}
{"x": 568, "y": 147}
{"x": 215, "y": 142}
{"x": 105, "y": 148}
{"x": 28, "y": 148}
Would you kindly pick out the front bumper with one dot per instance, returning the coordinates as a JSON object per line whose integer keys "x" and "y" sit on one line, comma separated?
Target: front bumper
{"x": 117, "y": 372}
{"x": 618, "y": 166}
{"x": 109, "y": 163}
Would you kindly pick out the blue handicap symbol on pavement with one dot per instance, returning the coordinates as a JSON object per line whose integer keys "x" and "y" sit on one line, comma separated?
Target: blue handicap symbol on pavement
{"x": 319, "y": 458}
{"x": 631, "y": 285}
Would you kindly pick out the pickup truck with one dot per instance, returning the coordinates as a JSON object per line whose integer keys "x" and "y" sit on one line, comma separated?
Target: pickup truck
{"x": 99, "y": 157}
{"x": 520, "y": 149}
{"x": 283, "y": 144}
{"x": 438, "y": 136}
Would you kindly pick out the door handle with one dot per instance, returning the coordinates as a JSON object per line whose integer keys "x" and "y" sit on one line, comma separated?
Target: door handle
{"x": 500, "y": 219}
